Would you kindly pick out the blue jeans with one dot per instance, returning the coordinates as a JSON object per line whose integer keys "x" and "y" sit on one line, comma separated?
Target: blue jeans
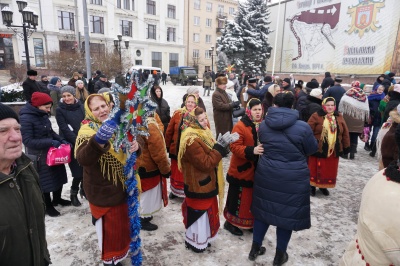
{"x": 282, "y": 235}
{"x": 375, "y": 131}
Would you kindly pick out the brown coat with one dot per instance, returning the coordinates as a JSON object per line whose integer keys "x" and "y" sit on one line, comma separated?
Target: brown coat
{"x": 389, "y": 149}
{"x": 353, "y": 124}
{"x": 153, "y": 160}
{"x": 342, "y": 144}
{"x": 243, "y": 161}
{"x": 222, "y": 111}
{"x": 199, "y": 167}
{"x": 172, "y": 134}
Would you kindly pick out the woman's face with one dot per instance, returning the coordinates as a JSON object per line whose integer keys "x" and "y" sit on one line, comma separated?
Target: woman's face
{"x": 99, "y": 108}
{"x": 80, "y": 85}
{"x": 190, "y": 103}
{"x": 76, "y": 77}
{"x": 330, "y": 107}
{"x": 277, "y": 90}
{"x": 68, "y": 98}
{"x": 380, "y": 90}
{"x": 202, "y": 118}
{"x": 158, "y": 93}
{"x": 256, "y": 112}
{"x": 46, "y": 107}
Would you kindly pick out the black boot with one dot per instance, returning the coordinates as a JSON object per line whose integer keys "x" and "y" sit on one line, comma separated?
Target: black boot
{"x": 233, "y": 229}
{"x": 367, "y": 147}
{"x": 58, "y": 200}
{"x": 172, "y": 196}
{"x": 280, "y": 257}
{"x": 74, "y": 198}
{"x": 324, "y": 191}
{"x": 373, "y": 150}
{"x": 50, "y": 210}
{"x": 146, "y": 225}
{"x": 353, "y": 151}
{"x": 196, "y": 250}
{"x": 256, "y": 250}
{"x": 312, "y": 191}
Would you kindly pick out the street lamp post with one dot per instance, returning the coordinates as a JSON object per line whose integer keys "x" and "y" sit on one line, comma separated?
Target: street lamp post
{"x": 117, "y": 44}
{"x": 29, "y": 23}
{"x": 212, "y": 58}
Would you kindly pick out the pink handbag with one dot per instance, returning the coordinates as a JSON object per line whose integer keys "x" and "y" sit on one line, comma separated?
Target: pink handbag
{"x": 60, "y": 155}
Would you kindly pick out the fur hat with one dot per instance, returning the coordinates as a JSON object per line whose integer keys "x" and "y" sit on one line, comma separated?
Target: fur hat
{"x": 75, "y": 74}
{"x": 7, "y": 112}
{"x": 316, "y": 92}
{"x": 312, "y": 85}
{"x": 31, "y": 72}
{"x": 68, "y": 89}
{"x": 40, "y": 98}
{"x": 287, "y": 80}
{"x": 221, "y": 81}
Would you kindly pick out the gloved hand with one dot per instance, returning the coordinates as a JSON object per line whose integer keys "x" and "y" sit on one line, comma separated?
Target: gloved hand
{"x": 55, "y": 143}
{"x": 227, "y": 138}
{"x": 105, "y": 132}
{"x": 235, "y": 104}
{"x": 65, "y": 142}
{"x": 222, "y": 150}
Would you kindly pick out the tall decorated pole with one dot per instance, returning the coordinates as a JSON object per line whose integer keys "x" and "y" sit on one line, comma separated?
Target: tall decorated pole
{"x": 136, "y": 106}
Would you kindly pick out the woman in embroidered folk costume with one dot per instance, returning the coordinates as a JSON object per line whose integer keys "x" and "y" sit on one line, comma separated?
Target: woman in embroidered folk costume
{"x": 199, "y": 159}
{"x": 104, "y": 181}
{"x": 172, "y": 137}
{"x": 153, "y": 168}
{"x": 355, "y": 109}
{"x": 245, "y": 153}
{"x": 331, "y": 132}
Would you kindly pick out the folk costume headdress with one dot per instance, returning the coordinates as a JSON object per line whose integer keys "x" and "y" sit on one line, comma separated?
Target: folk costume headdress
{"x": 191, "y": 130}
{"x": 329, "y": 126}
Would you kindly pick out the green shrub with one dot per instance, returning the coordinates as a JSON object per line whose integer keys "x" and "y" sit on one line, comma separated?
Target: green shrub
{"x": 12, "y": 93}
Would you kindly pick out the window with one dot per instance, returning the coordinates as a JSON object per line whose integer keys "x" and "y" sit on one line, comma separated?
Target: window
{"x": 220, "y": 23}
{"x": 6, "y": 51}
{"x": 171, "y": 34}
{"x": 151, "y": 32}
{"x": 96, "y": 24}
{"x": 208, "y": 38}
{"x": 196, "y": 37}
{"x": 207, "y": 54}
{"x": 209, "y": 7}
{"x": 66, "y": 20}
{"x": 133, "y": 4}
{"x": 127, "y": 4}
{"x": 126, "y": 28}
{"x": 208, "y": 22}
{"x": 196, "y": 4}
{"x": 118, "y": 3}
{"x": 231, "y": 11}
{"x": 195, "y": 53}
{"x": 196, "y": 21}
{"x": 220, "y": 9}
{"x": 156, "y": 59}
{"x": 151, "y": 7}
{"x": 171, "y": 11}
{"x": 173, "y": 60}
{"x": 96, "y": 2}
{"x": 39, "y": 54}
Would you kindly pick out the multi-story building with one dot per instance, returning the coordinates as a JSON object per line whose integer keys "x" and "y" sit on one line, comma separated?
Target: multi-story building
{"x": 154, "y": 29}
{"x": 204, "y": 20}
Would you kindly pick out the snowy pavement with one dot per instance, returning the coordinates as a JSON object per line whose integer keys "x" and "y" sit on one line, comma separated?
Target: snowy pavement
{"x": 72, "y": 238}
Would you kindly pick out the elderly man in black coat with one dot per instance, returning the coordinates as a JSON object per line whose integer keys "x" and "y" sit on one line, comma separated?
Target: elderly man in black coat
{"x": 30, "y": 85}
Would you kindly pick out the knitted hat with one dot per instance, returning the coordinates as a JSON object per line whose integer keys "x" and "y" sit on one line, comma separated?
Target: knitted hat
{"x": 221, "y": 81}
{"x": 287, "y": 80}
{"x": 54, "y": 80}
{"x": 396, "y": 88}
{"x": 68, "y": 89}
{"x": 98, "y": 72}
{"x": 40, "y": 98}
{"x": 78, "y": 82}
{"x": 7, "y": 112}
{"x": 192, "y": 90}
{"x": 316, "y": 93}
{"x": 31, "y": 72}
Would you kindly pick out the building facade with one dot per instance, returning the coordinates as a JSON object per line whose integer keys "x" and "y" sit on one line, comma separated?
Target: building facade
{"x": 154, "y": 29}
{"x": 204, "y": 20}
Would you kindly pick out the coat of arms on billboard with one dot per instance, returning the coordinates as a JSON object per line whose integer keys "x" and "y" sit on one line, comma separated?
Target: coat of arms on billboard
{"x": 363, "y": 16}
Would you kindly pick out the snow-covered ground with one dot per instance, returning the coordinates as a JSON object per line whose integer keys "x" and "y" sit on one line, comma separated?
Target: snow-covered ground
{"x": 72, "y": 238}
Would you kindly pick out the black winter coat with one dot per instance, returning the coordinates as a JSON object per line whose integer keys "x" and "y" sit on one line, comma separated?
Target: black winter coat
{"x": 43, "y": 87}
{"x": 327, "y": 82}
{"x": 336, "y": 91}
{"x": 69, "y": 118}
{"x": 281, "y": 195}
{"x": 163, "y": 110}
{"x": 22, "y": 230}
{"x": 37, "y": 136}
{"x": 392, "y": 104}
{"x": 312, "y": 105}
{"x": 101, "y": 84}
{"x": 301, "y": 101}
{"x": 30, "y": 86}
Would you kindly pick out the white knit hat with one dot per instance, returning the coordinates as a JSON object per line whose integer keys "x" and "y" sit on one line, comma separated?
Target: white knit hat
{"x": 316, "y": 93}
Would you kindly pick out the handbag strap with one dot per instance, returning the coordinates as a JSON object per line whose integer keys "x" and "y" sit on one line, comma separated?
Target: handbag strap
{"x": 302, "y": 152}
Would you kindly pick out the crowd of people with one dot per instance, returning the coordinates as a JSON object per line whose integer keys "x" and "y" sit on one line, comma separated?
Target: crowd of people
{"x": 285, "y": 138}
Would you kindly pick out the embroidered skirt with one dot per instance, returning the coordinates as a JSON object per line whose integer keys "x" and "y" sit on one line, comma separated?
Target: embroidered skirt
{"x": 323, "y": 171}
{"x": 176, "y": 179}
{"x": 237, "y": 207}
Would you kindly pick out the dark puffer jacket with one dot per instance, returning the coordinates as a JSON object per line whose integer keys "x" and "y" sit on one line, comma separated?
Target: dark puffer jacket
{"x": 22, "y": 229}
{"x": 163, "y": 110}
{"x": 71, "y": 115}
{"x": 281, "y": 194}
{"x": 37, "y": 136}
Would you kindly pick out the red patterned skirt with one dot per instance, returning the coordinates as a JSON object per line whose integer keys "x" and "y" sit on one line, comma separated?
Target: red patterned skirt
{"x": 176, "y": 179}
{"x": 237, "y": 207}
{"x": 323, "y": 171}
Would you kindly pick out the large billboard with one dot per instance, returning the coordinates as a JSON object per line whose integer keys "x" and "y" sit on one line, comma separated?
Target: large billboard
{"x": 344, "y": 37}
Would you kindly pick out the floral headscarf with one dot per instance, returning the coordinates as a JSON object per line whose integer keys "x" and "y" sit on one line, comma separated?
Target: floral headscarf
{"x": 329, "y": 126}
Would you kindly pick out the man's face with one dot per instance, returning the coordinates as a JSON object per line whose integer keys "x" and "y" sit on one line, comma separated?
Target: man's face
{"x": 45, "y": 79}
{"x": 10, "y": 139}
{"x": 103, "y": 79}
{"x": 284, "y": 83}
{"x": 231, "y": 76}
{"x": 32, "y": 77}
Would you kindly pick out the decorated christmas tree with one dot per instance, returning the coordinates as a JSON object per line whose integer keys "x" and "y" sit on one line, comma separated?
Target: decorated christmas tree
{"x": 245, "y": 40}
